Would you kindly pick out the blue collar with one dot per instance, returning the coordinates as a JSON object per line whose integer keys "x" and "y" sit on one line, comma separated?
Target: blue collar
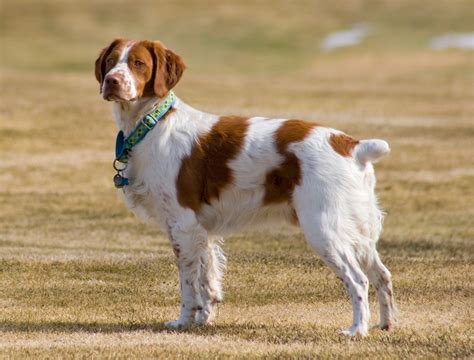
{"x": 124, "y": 145}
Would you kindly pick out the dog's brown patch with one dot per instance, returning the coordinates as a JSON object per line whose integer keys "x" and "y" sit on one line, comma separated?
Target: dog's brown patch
{"x": 281, "y": 181}
{"x": 205, "y": 172}
{"x": 343, "y": 144}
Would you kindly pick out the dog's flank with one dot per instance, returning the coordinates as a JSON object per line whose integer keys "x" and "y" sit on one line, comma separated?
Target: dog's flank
{"x": 205, "y": 172}
{"x": 200, "y": 176}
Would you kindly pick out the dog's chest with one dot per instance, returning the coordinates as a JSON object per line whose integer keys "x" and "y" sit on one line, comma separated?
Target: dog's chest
{"x": 151, "y": 190}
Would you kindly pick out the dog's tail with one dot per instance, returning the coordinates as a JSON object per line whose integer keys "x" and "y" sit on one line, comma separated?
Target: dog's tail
{"x": 370, "y": 151}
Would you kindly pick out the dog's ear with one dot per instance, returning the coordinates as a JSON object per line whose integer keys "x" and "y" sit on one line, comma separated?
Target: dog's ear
{"x": 168, "y": 67}
{"x": 100, "y": 64}
{"x": 174, "y": 68}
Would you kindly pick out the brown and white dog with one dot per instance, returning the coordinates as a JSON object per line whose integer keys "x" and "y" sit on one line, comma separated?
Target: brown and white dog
{"x": 201, "y": 176}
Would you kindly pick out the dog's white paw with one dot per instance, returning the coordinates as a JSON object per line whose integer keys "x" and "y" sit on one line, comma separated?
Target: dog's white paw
{"x": 355, "y": 330}
{"x": 176, "y": 324}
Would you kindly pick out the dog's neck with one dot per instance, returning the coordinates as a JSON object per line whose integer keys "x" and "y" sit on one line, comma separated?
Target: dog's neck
{"x": 127, "y": 114}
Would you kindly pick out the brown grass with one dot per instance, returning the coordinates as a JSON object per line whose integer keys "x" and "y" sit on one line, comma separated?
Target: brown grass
{"x": 81, "y": 277}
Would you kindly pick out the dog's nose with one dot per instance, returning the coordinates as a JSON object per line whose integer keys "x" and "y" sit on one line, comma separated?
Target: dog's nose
{"x": 112, "y": 80}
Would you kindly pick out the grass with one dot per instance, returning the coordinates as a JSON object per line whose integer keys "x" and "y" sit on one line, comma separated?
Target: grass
{"x": 81, "y": 277}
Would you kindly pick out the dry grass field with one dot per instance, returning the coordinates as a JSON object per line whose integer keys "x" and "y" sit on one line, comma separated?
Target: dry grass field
{"x": 81, "y": 277}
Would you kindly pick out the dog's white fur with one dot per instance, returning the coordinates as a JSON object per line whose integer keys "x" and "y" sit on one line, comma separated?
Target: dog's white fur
{"x": 335, "y": 204}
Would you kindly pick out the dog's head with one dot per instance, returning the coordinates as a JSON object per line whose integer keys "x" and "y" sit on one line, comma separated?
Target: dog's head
{"x": 128, "y": 70}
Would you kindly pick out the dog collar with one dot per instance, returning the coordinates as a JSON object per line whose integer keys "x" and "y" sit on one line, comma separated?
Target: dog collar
{"x": 124, "y": 145}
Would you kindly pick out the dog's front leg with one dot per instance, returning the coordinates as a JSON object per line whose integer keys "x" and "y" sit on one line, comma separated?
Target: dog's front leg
{"x": 189, "y": 247}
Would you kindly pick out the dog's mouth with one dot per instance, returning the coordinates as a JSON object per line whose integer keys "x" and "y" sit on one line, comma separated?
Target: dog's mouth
{"x": 117, "y": 98}
{"x": 113, "y": 97}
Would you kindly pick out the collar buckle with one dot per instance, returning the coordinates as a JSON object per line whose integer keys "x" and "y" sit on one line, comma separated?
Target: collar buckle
{"x": 143, "y": 121}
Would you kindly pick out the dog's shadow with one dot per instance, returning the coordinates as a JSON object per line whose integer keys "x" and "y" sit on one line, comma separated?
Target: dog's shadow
{"x": 109, "y": 328}
{"x": 247, "y": 331}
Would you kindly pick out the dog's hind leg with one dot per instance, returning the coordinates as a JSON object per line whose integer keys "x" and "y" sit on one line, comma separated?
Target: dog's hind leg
{"x": 190, "y": 248}
{"x": 339, "y": 254}
{"x": 381, "y": 278}
{"x": 212, "y": 272}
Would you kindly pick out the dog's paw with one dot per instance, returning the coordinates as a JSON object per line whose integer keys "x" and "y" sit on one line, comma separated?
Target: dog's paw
{"x": 176, "y": 324}
{"x": 387, "y": 326}
{"x": 355, "y": 330}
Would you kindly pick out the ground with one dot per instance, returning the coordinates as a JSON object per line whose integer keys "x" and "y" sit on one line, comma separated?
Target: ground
{"x": 81, "y": 277}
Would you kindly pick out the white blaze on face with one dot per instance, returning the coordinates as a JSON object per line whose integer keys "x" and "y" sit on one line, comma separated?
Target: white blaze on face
{"x": 127, "y": 81}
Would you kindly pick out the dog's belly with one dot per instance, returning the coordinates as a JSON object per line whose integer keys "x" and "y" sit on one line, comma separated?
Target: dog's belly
{"x": 238, "y": 209}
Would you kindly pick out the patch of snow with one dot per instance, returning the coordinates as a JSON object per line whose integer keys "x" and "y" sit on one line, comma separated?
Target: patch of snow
{"x": 447, "y": 41}
{"x": 343, "y": 38}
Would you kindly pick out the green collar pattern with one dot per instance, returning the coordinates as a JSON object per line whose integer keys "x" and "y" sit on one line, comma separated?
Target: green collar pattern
{"x": 124, "y": 145}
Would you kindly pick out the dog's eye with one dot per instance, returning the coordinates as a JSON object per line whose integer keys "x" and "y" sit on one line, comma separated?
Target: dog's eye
{"x": 110, "y": 61}
{"x": 138, "y": 63}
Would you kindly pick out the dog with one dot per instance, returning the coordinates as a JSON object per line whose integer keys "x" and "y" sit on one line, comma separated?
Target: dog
{"x": 201, "y": 176}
